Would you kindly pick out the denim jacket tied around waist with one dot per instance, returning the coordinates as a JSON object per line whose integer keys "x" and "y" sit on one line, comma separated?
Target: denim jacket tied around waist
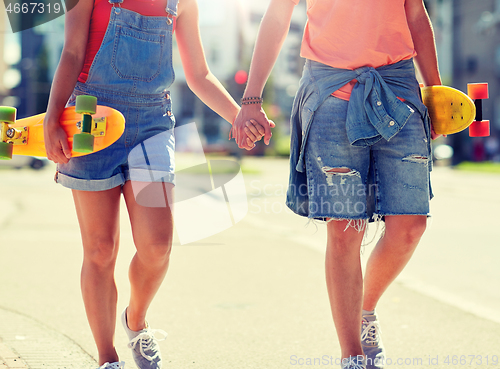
{"x": 374, "y": 112}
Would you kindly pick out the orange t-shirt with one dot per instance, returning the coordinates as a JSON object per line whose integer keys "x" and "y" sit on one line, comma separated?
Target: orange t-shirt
{"x": 350, "y": 34}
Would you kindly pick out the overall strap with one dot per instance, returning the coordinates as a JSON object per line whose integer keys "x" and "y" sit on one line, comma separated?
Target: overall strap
{"x": 171, "y": 7}
{"x": 114, "y": 2}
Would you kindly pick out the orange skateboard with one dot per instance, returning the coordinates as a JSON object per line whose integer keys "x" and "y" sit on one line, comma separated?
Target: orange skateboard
{"x": 452, "y": 111}
{"x": 90, "y": 128}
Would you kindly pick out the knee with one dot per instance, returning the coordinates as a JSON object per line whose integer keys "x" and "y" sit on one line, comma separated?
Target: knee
{"x": 415, "y": 231}
{"x": 101, "y": 252}
{"x": 343, "y": 239}
{"x": 411, "y": 230}
{"x": 155, "y": 253}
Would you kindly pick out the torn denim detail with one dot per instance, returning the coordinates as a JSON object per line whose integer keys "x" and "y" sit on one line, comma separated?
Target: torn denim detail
{"x": 332, "y": 172}
{"x": 420, "y": 159}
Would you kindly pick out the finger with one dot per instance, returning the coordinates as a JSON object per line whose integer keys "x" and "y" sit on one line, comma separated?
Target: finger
{"x": 60, "y": 158}
{"x": 251, "y": 135}
{"x": 65, "y": 149}
{"x": 256, "y": 128}
{"x": 252, "y": 131}
{"x": 267, "y": 135}
{"x": 234, "y": 134}
{"x": 272, "y": 124}
{"x": 242, "y": 142}
{"x": 52, "y": 156}
{"x": 250, "y": 144}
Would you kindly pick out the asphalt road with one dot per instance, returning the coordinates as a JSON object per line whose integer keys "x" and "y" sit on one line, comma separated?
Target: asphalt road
{"x": 253, "y": 296}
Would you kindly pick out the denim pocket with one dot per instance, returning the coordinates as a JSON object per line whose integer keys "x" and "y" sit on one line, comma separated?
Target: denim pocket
{"x": 137, "y": 55}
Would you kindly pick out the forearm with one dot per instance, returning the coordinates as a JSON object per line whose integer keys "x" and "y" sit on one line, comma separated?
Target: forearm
{"x": 63, "y": 83}
{"x": 272, "y": 33}
{"x": 425, "y": 46}
{"x": 214, "y": 95}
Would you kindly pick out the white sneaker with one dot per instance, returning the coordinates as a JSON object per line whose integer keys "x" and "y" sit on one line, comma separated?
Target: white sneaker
{"x": 115, "y": 365}
{"x": 144, "y": 345}
{"x": 371, "y": 341}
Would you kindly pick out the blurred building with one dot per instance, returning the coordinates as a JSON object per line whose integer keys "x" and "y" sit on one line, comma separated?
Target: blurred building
{"x": 228, "y": 31}
{"x": 222, "y": 24}
{"x": 3, "y": 64}
{"x": 468, "y": 39}
{"x": 30, "y": 48}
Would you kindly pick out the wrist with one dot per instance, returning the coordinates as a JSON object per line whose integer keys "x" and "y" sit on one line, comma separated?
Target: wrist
{"x": 252, "y": 100}
{"x": 50, "y": 121}
{"x": 251, "y": 107}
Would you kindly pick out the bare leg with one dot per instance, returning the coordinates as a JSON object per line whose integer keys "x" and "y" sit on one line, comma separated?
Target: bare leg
{"x": 392, "y": 253}
{"x": 345, "y": 284}
{"x": 152, "y": 230}
{"x": 98, "y": 218}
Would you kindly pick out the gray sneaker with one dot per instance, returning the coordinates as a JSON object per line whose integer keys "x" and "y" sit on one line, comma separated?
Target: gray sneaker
{"x": 115, "y": 365}
{"x": 144, "y": 345}
{"x": 372, "y": 342}
{"x": 353, "y": 362}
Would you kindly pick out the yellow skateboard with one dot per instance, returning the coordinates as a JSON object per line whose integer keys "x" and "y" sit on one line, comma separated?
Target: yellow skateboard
{"x": 90, "y": 128}
{"x": 452, "y": 111}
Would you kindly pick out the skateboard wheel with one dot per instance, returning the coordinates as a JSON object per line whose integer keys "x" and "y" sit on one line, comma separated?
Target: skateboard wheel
{"x": 479, "y": 128}
{"x": 7, "y": 114}
{"x": 477, "y": 91}
{"x": 86, "y": 104}
{"x": 83, "y": 142}
{"x": 6, "y": 151}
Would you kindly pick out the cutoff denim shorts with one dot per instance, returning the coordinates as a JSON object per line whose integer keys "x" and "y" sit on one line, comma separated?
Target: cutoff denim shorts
{"x": 145, "y": 149}
{"x": 387, "y": 178}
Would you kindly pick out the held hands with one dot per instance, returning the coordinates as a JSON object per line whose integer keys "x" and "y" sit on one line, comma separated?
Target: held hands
{"x": 250, "y": 126}
{"x": 56, "y": 142}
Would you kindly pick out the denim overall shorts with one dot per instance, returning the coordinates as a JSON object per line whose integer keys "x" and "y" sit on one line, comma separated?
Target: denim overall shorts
{"x": 131, "y": 72}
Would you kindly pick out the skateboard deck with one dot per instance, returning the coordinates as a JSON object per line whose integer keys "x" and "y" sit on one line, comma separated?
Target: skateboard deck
{"x": 450, "y": 110}
{"x": 107, "y": 126}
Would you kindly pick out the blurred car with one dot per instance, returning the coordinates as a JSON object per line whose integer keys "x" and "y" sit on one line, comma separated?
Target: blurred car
{"x": 19, "y": 162}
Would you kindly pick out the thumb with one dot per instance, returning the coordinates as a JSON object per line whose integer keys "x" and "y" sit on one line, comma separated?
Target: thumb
{"x": 65, "y": 148}
{"x": 268, "y": 134}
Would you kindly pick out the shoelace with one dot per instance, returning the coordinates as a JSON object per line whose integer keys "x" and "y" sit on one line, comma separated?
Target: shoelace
{"x": 146, "y": 341}
{"x": 118, "y": 365}
{"x": 352, "y": 363}
{"x": 370, "y": 332}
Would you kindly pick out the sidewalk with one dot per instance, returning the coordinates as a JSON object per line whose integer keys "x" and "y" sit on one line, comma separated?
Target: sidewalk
{"x": 253, "y": 296}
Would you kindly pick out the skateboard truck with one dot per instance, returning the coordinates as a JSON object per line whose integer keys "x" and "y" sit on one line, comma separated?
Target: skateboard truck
{"x": 478, "y": 92}
{"x": 15, "y": 136}
{"x": 9, "y": 136}
{"x": 98, "y": 126}
{"x": 84, "y": 142}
